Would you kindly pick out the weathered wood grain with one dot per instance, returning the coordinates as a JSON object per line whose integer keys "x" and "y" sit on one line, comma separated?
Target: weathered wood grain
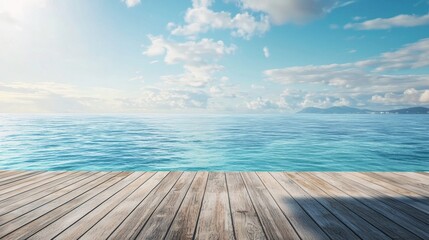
{"x": 377, "y": 204}
{"x": 331, "y": 225}
{"x": 245, "y": 219}
{"x": 183, "y": 226}
{"x": 275, "y": 223}
{"x": 304, "y": 224}
{"x": 215, "y": 217}
{"x": 214, "y": 205}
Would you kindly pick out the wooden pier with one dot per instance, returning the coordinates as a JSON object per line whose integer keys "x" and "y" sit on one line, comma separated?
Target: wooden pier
{"x": 213, "y": 205}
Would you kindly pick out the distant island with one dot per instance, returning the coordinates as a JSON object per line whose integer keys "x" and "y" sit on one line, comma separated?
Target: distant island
{"x": 350, "y": 110}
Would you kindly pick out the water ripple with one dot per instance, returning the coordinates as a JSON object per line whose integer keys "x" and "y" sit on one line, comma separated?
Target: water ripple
{"x": 215, "y": 142}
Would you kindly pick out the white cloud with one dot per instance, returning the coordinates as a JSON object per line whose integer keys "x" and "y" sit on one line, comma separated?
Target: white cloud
{"x": 411, "y": 56}
{"x": 194, "y": 75}
{"x": 281, "y": 11}
{"x": 131, "y": 3}
{"x": 155, "y": 98}
{"x": 187, "y": 52}
{"x": 57, "y": 97}
{"x": 202, "y": 3}
{"x": 424, "y": 98}
{"x": 292, "y": 100}
{"x": 262, "y": 104}
{"x": 360, "y": 83}
{"x": 321, "y": 101}
{"x": 201, "y": 19}
{"x": 51, "y": 97}
{"x": 402, "y": 20}
{"x": 366, "y": 74}
{"x": 198, "y": 59}
{"x": 266, "y": 52}
{"x": 358, "y": 18}
{"x": 410, "y": 96}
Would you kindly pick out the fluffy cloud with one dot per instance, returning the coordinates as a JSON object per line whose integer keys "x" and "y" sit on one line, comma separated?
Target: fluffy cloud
{"x": 194, "y": 76}
{"x": 410, "y": 96}
{"x": 362, "y": 75}
{"x": 322, "y": 101}
{"x": 200, "y": 19}
{"x": 411, "y": 56}
{"x": 293, "y": 100}
{"x": 50, "y": 97}
{"x": 298, "y": 99}
{"x": 198, "y": 59}
{"x": 155, "y": 98}
{"x": 424, "y": 97}
{"x": 131, "y": 3}
{"x": 190, "y": 52}
{"x": 360, "y": 83}
{"x": 402, "y": 20}
{"x": 281, "y": 11}
{"x": 262, "y": 104}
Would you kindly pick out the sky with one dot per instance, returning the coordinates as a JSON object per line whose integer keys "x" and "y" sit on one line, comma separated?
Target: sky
{"x": 206, "y": 56}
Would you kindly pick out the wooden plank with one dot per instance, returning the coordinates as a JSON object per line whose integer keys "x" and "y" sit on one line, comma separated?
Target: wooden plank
{"x": 75, "y": 230}
{"x": 333, "y": 227}
{"x": 215, "y": 217}
{"x": 185, "y": 222}
{"x": 68, "y": 219}
{"x": 55, "y": 180}
{"x": 52, "y": 213}
{"x": 245, "y": 219}
{"x": 131, "y": 226}
{"x": 4, "y": 173}
{"x": 399, "y": 181}
{"x": 361, "y": 227}
{"x": 21, "y": 216}
{"x": 424, "y": 173}
{"x": 274, "y": 222}
{"x": 30, "y": 184}
{"x": 389, "y": 185}
{"x": 190, "y": 205}
{"x": 374, "y": 203}
{"x": 386, "y": 225}
{"x": 17, "y": 177}
{"x": 104, "y": 228}
{"x": 415, "y": 178}
{"x": 384, "y": 195}
{"x": 403, "y": 195}
{"x": 8, "y": 173}
{"x": 159, "y": 222}
{"x": 25, "y": 181}
{"x": 302, "y": 223}
{"x": 19, "y": 201}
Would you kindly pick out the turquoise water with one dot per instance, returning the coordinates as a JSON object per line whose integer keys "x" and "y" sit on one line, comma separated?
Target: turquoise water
{"x": 215, "y": 142}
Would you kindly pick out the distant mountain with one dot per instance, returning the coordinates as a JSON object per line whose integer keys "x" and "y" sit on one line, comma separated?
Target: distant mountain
{"x": 413, "y": 110}
{"x": 350, "y": 110}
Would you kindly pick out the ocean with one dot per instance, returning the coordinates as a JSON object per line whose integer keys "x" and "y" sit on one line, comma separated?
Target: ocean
{"x": 168, "y": 142}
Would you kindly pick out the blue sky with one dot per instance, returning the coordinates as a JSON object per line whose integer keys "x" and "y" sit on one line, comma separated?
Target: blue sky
{"x": 227, "y": 56}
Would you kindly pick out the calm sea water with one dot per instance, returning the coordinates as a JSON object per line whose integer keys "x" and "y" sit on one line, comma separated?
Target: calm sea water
{"x": 215, "y": 142}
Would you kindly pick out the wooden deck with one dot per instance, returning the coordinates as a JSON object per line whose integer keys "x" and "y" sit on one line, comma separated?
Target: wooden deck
{"x": 202, "y": 205}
